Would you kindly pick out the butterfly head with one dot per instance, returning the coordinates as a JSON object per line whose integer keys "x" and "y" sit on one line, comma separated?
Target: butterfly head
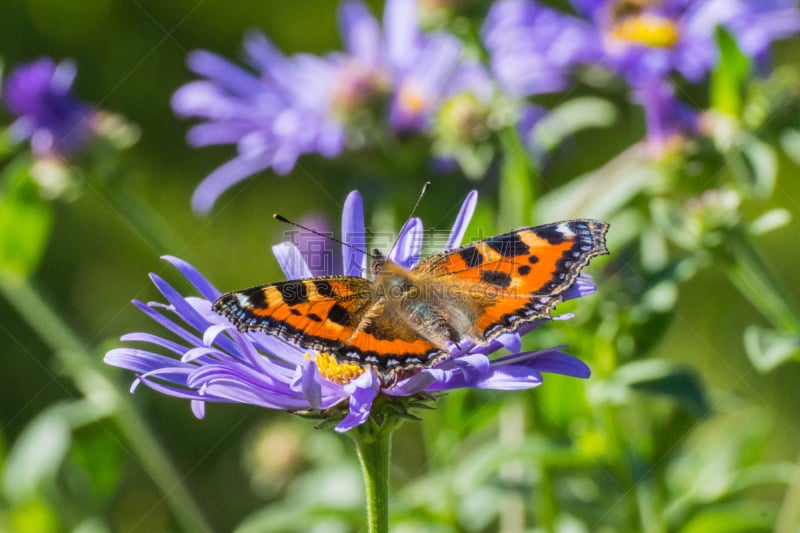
{"x": 378, "y": 261}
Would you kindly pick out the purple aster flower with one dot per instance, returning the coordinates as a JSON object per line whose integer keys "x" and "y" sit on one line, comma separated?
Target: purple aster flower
{"x": 214, "y": 362}
{"x": 643, "y": 41}
{"x": 273, "y": 117}
{"x": 40, "y": 95}
{"x": 533, "y": 48}
{"x": 390, "y": 76}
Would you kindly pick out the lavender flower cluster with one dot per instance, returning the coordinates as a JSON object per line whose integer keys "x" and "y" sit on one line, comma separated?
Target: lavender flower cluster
{"x": 395, "y": 77}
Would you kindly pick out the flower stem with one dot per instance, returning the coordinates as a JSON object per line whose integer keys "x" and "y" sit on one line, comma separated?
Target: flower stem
{"x": 756, "y": 281}
{"x": 97, "y": 387}
{"x": 374, "y": 444}
{"x": 518, "y": 183}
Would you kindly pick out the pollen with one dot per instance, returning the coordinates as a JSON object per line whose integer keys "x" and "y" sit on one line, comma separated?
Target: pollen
{"x": 647, "y": 29}
{"x": 332, "y": 370}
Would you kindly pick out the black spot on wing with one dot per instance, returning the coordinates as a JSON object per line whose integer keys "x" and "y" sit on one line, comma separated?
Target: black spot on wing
{"x": 524, "y": 270}
{"x": 313, "y": 316}
{"x": 295, "y": 312}
{"x": 257, "y": 298}
{"x": 552, "y": 236}
{"x": 498, "y": 279}
{"x": 293, "y": 292}
{"x": 339, "y": 315}
{"x": 324, "y": 289}
{"x": 508, "y": 245}
{"x": 533, "y": 259}
{"x": 471, "y": 256}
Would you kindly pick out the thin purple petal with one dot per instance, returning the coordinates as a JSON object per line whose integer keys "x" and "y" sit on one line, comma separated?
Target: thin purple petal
{"x": 354, "y": 234}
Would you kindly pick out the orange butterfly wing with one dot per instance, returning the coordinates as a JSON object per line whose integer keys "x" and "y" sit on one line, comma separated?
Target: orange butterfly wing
{"x": 386, "y": 341}
{"x": 316, "y": 313}
{"x": 336, "y": 314}
{"x": 517, "y": 277}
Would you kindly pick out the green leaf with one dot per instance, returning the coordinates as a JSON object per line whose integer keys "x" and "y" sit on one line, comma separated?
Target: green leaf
{"x": 7, "y": 143}
{"x": 25, "y": 220}
{"x": 755, "y": 164}
{"x": 665, "y": 378}
{"x": 37, "y": 454}
{"x": 571, "y": 117}
{"x": 768, "y": 348}
{"x": 790, "y": 142}
{"x": 601, "y": 193}
{"x": 732, "y": 517}
{"x": 769, "y": 221}
{"x": 728, "y": 76}
{"x": 34, "y": 516}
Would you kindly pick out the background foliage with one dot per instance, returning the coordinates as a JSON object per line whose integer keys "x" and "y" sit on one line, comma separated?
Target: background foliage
{"x": 688, "y": 422}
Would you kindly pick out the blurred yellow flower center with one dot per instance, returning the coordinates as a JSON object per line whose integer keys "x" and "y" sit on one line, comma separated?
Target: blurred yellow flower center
{"x": 461, "y": 118}
{"x": 646, "y": 29}
{"x": 332, "y": 370}
{"x": 411, "y": 98}
{"x": 358, "y": 88}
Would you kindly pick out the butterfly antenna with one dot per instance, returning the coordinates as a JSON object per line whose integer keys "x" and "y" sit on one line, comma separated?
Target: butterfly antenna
{"x": 413, "y": 210}
{"x": 282, "y": 218}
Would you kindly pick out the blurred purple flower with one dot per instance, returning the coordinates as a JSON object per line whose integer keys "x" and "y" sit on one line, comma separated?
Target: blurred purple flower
{"x": 533, "y": 47}
{"x": 644, "y": 42}
{"x": 55, "y": 121}
{"x": 217, "y": 363}
{"x": 391, "y": 76}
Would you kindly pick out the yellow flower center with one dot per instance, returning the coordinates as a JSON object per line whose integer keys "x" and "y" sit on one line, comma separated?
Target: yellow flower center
{"x": 412, "y": 98}
{"x": 332, "y": 370}
{"x": 646, "y": 29}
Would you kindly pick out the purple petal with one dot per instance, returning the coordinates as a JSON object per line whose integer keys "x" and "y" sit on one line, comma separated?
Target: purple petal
{"x": 401, "y": 31}
{"x": 223, "y": 179}
{"x": 354, "y": 234}
{"x": 582, "y": 287}
{"x": 413, "y": 385}
{"x": 154, "y": 339}
{"x": 409, "y": 244}
{"x": 462, "y": 220}
{"x": 195, "y": 278}
{"x": 144, "y": 362}
{"x": 510, "y": 377}
{"x": 198, "y": 409}
{"x": 231, "y": 77}
{"x": 360, "y": 31}
{"x": 511, "y": 341}
{"x": 363, "y": 391}
{"x": 291, "y": 261}
{"x": 473, "y": 366}
{"x": 307, "y": 381}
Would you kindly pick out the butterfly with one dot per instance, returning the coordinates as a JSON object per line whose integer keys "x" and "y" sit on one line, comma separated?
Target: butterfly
{"x": 405, "y": 319}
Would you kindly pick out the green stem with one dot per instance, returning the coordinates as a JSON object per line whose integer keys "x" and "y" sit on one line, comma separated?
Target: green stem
{"x": 374, "y": 444}
{"x": 624, "y": 457}
{"x": 90, "y": 379}
{"x": 756, "y": 281}
{"x": 517, "y": 183}
{"x": 789, "y": 514}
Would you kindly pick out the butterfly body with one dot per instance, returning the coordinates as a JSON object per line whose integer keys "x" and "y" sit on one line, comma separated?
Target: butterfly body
{"x": 410, "y": 318}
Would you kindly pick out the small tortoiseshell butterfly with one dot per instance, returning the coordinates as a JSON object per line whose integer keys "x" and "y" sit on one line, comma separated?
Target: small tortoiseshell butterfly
{"x": 407, "y": 318}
